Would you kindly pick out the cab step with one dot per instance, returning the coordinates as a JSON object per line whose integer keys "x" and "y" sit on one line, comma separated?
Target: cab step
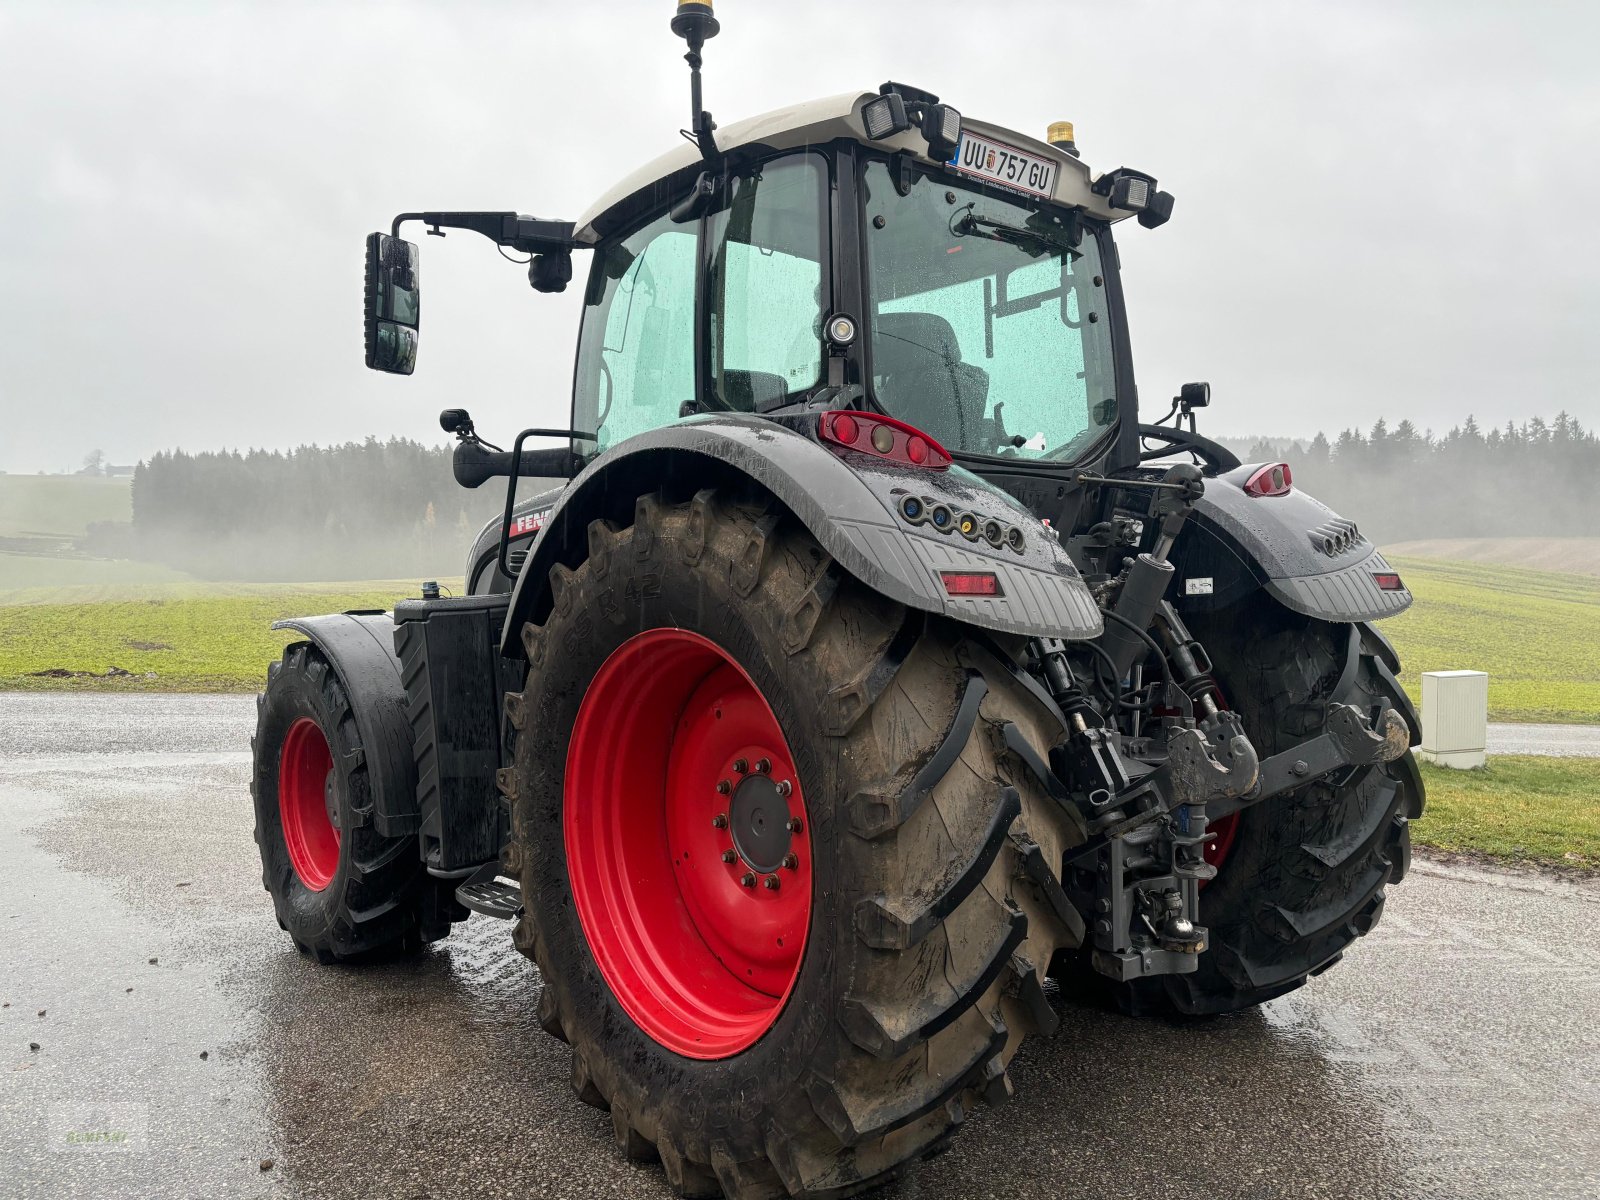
{"x": 485, "y": 893}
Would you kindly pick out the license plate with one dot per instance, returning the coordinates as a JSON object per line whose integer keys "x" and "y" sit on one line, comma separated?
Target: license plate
{"x": 985, "y": 158}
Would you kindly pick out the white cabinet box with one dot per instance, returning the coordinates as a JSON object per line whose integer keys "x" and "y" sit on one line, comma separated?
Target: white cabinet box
{"x": 1455, "y": 717}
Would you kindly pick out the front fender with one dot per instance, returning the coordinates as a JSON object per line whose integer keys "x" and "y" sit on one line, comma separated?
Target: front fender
{"x": 1309, "y": 558}
{"x": 360, "y": 647}
{"x": 849, "y": 503}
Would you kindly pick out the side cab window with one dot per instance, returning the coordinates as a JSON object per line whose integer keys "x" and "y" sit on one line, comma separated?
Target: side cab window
{"x": 765, "y": 292}
{"x": 636, "y": 350}
{"x": 765, "y": 283}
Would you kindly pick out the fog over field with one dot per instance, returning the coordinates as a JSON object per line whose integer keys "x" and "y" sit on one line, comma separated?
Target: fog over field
{"x": 1382, "y": 210}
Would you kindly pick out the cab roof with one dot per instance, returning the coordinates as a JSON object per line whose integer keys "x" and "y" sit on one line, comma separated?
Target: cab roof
{"x": 816, "y": 122}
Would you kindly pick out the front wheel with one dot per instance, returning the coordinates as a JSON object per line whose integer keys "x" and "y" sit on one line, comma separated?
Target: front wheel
{"x": 771, "y": 854}
{"x": 342, "y": 891}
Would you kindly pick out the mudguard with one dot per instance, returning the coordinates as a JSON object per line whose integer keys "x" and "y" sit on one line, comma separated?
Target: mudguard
{"x": 360, "y": 645}
{"x": 1309, "y": 558}
{"x": 850, "y": 503}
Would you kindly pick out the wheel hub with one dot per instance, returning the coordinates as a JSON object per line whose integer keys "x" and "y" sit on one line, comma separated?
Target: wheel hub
{"x": 759, "y": 819}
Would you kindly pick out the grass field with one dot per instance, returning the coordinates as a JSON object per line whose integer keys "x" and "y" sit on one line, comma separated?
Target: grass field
{"x": 46, "y": 573}
{"x": 1573, "y": 555}
{"x": 1543, "y": 810}
{"x": 61, "y": 504}
{"x": 173, "y": 637}
{"x": 1537, "y": 633}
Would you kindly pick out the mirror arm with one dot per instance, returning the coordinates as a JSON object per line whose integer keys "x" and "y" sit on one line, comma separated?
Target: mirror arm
{"x": 530, "y": 235}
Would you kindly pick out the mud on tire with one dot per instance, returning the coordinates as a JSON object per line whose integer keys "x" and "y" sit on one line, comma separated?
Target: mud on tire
{"x": 377, "y": 900}
{"x": 1306, "y": 873}
{"x": 921, "y": 974}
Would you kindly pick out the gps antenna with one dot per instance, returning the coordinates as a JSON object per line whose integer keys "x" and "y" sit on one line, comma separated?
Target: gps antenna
{"x": 696, "y": 25}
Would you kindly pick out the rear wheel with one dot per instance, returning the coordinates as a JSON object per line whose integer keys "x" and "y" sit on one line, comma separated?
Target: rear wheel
{"x": 341, "y": 890}
{"x": 773, "y": 881}
{"x": 1303, "y": 875}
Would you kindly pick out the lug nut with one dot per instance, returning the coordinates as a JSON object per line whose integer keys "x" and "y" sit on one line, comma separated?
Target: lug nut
{"x": 740, "y": 766}
{"x": 723, "y": 787}
{"x": 748, "y": 879}
{"x": 772, "y": 883}
{"x": 795, "y": 825}
{"x": 729, "y": 856}
{"x": 784, "y": 787}
{"x": 763, "y": 766}
{"x": 720, "y": 821}
{"x": 790, "y": 861}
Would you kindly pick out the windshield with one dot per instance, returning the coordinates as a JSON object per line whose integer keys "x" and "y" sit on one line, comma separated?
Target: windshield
{"x": 989, "y": 328}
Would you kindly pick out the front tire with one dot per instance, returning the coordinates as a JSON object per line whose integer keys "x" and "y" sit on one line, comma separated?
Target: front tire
{"x": 342, "y": 891}
{"x": 920, "y": 968}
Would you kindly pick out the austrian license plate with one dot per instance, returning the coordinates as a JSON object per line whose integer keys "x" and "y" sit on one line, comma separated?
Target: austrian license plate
{"x": 999, "y": 163}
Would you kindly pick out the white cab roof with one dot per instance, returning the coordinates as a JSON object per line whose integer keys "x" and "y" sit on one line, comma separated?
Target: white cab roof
{"x": 819, "y": 121}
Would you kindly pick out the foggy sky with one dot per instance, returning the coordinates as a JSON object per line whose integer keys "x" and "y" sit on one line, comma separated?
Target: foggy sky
{"x": 1383, "y": 209}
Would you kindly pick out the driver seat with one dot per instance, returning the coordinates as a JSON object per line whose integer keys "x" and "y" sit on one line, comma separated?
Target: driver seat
{"x": 924, "y": 381}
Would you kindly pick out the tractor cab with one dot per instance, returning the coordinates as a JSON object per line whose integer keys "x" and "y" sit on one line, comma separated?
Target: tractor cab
{"x": 965, "y": 287}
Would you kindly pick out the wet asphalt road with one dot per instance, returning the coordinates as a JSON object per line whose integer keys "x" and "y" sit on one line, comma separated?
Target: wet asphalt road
{"x": 1455, "y": 1052}
{"x": 1558, "y": 741}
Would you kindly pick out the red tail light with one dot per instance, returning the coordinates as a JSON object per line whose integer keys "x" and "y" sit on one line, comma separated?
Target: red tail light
{"x": 1274, "y": 479}
{"x": 971, "y": 583}
{"x": 1387, "y": 581}
{"x": 883, "y": 437}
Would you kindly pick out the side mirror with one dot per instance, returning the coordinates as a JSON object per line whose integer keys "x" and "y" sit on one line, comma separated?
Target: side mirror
{"x": 393, "y": 305}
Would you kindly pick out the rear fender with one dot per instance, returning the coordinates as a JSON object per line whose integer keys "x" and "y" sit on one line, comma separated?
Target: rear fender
{"x": 849, "y": 503}
{"x": 1302, "y": 552}
{"x": 360, "y": 647}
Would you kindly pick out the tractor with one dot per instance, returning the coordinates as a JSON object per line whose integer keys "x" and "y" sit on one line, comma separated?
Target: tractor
{"x": 871, "y": 663}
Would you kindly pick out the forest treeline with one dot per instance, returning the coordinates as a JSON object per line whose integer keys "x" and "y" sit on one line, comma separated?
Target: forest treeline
{"x": 385, "y": 509}
{"x": 373, "y": 509}
{"x": 1539, "y": 478}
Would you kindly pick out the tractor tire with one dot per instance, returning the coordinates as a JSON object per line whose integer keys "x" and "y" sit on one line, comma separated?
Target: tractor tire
{"x": 1301, "y": 876}
{"x": 773, "y": 855}
{"x": 342, "y": 892}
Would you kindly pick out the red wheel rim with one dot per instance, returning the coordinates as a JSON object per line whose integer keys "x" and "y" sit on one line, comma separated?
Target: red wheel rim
{"x": 691, "y": 876}
{"x": 305, "y": 797}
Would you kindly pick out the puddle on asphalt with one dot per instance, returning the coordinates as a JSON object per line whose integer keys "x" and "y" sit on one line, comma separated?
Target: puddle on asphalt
{"x": 118, "y": 1099}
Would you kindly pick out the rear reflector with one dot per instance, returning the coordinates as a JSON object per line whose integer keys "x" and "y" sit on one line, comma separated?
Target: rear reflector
{"x": 1387, "y": 581}
{"x": 971, "y": 583}
{"x": 1274, "y": 479}
{"x": 883, "y": 437}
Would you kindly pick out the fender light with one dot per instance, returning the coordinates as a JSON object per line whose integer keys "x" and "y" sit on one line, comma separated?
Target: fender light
{"x": 882, "y": 437}
{"x": 1387, "y": 581}
{"x": 1274, "y": 479}
{"x": 971, "y": 583}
